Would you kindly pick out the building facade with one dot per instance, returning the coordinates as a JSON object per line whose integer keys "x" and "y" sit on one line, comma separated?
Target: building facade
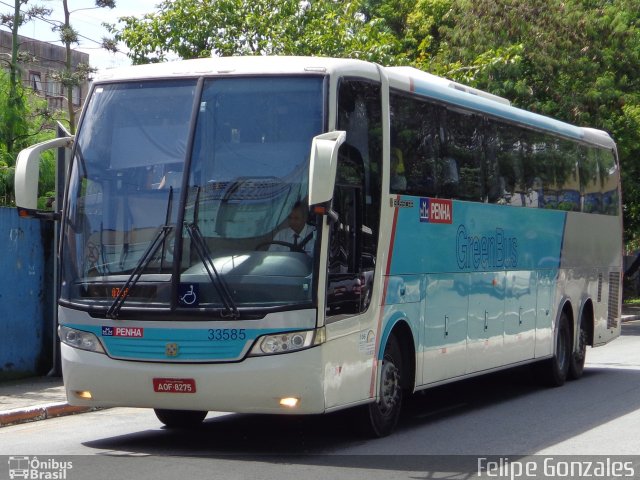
{"x": 40, "y": 74}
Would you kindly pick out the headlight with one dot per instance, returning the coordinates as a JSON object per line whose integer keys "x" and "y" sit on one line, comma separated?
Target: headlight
{"x": 79, "y": 339}
{"x": 288, "y": 342}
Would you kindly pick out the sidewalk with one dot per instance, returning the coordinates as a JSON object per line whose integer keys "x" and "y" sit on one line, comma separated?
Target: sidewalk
{"x": 44, "y": 397}
{"x": 34, "y": 399}
{"x": 630, "y": 312}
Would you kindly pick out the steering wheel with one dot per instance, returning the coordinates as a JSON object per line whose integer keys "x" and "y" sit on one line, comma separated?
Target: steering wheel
{"x": 290, "y": 246}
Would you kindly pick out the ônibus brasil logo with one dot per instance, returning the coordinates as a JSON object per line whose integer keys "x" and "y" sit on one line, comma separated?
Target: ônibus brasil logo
{"x": 40, "y": 469}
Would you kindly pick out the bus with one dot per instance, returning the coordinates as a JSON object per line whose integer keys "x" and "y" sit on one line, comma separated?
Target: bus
{"x": 452, "y": 235}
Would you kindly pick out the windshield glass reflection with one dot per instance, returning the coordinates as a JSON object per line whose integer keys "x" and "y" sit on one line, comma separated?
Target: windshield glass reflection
{"x": 248, "y": 169}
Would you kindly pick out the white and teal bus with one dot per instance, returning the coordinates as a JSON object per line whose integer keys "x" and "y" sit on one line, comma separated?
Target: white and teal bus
{"x": 452, "y": 235}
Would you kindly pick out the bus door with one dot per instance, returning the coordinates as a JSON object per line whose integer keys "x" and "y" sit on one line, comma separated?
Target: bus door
{"x": 349, "y": 275}
{"x": 353, "y": 243}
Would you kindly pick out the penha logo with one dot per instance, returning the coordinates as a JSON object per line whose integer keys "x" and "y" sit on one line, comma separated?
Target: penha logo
{"x": 129, "y": 332}
{"x": 436, "y": 210}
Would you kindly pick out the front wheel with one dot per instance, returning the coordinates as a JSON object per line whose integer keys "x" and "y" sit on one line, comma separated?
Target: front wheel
{"x": 381, "y": 417}
{"x": 180, "y": 418}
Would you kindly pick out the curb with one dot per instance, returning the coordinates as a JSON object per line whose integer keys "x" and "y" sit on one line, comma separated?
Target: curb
{"x": 40, "y": 412}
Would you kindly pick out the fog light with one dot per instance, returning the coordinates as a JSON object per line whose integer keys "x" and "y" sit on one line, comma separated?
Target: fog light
{"x": 85, "y": 394}
{"x": 290, "y": 402}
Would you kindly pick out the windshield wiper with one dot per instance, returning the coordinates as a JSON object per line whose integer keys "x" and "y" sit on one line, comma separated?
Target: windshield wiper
{"x": 158, "y": 240}
{"x": 230, "y": 308}
{"x": 146, "y": 257}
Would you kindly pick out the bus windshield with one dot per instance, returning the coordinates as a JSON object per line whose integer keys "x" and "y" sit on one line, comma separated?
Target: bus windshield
{"x": 180, "y": 192}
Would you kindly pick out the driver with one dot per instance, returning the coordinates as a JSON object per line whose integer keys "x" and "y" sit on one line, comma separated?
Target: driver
{"x": 299, "y": 235}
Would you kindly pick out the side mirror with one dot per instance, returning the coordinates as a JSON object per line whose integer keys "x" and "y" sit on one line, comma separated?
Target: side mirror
{"x": 28, "y": 173}
{"x": 322, "y": 166}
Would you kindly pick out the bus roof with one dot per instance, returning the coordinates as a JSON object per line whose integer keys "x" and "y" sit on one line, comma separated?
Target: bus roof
{"x": 247, "y": 65}
{"x": 444, "y": 90}
{"x": 403, "y": 78}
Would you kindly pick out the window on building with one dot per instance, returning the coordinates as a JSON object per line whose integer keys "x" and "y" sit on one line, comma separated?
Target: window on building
{"x": 35, "y": 82}
{"x": 53, "y": 87}
{"x": 76, "y": 95}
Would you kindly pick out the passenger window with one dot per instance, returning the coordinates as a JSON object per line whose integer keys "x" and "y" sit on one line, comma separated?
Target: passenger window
{"x": 461, "y": 161}
{"x": 415, "y": 147}
{"x": 608, "y": 176}
{"x": 590, "y": 185}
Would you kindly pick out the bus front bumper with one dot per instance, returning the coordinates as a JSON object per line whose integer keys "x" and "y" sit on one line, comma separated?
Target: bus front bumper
{"x": 255, "y": 385}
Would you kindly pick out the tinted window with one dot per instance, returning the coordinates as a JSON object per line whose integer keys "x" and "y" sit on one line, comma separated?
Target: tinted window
{"x": 452, "y": 153}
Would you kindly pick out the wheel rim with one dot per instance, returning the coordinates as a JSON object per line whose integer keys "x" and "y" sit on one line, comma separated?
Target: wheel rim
{"x": 389, "y": 388}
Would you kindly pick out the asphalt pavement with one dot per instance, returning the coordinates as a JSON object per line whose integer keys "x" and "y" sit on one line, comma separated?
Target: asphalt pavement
{"x": 40, "y": 398}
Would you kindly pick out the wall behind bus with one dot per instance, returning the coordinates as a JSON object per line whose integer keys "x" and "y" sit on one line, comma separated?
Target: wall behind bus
{"x": 26, "y": 296}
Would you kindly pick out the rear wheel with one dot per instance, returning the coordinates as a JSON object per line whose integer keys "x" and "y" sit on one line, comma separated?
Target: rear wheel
{"x": 381, "y": 417}
{"x": 180, "y": 418}
{"x": 576, "y": 366}
{"x": 556, "y": 369}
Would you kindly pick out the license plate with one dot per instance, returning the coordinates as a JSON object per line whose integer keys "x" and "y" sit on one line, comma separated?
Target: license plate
{"x": 174, "y": 385}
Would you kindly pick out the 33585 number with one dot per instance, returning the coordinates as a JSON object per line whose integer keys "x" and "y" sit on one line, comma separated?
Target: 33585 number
{"x": 226, "y": 334}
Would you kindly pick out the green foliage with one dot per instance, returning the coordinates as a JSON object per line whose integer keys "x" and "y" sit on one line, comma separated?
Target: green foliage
{"x": 189, "y": 29}
{"x": 424, "y": 25}
{"x": 22, "y": 124}
{"x": 576, "y": 60}
{"x": 13, "y": 122}
{"x": 6, "y": 182}
{"x": 47, "y": 180}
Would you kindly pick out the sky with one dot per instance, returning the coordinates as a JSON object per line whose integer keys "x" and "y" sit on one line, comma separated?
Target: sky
{"x": 87, "y": 20}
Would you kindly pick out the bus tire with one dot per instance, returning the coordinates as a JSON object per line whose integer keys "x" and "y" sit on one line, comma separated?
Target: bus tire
{"x": 557, "y": 368}
{"x": 576, "y": 366}
{"x": 180, "y": 418}
{"x": 381, "y": 417}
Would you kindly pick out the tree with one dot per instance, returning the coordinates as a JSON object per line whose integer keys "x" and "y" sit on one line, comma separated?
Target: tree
{"x": 13, "y": 123}
{"x": 34, "y": 128}
{"x": 576, "y": 60}
{"x": 189, "y": 29}
{"x": 23, "y": 116}
{"x": 72, "y": 77}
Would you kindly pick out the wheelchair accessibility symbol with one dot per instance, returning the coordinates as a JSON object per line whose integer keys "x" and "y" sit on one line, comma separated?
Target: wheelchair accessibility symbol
{"x": 188, "y": 295}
